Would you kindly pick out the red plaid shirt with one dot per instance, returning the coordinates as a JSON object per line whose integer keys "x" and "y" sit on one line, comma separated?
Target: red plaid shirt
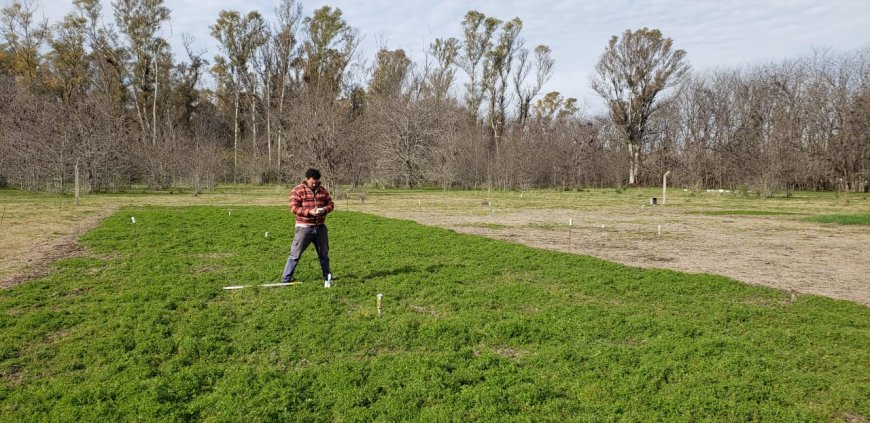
{"x": 303, "y": 201}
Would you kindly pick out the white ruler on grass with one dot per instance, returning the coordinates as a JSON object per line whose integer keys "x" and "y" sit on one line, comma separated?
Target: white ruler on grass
{"x": 266, "y": 285}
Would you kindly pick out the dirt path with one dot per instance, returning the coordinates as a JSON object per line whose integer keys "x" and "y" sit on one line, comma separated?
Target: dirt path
{"x": 777, "y": 251}
{"x": 34, "y": 259}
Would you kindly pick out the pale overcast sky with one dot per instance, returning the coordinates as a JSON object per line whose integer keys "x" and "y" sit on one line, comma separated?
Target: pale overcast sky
{"x": 723, "y": 33}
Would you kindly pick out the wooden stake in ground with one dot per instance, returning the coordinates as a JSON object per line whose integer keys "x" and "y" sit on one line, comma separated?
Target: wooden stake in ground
{"x": 665, "y": 188}
{"x": 570, "y": 224}
{"x": 379, "y": 304}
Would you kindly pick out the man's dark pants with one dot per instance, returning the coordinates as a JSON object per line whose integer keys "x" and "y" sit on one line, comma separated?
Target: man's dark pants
{"x": 307, "y": 235}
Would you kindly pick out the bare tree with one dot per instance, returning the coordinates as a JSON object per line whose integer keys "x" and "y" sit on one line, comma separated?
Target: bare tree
{"x": 285, "y": 41}
{"x": 139, "y": 21}
{"x": 478, "y": 30}
{"x": 630, "y": 75}
{"x": 390, "y": 73}
{"x": 328, "y": 50}
{"x": 527, "y": 92}
{"x": 24, "y": 37}
{"x": 440, "y": 79}
{"x": 498, "y": 65}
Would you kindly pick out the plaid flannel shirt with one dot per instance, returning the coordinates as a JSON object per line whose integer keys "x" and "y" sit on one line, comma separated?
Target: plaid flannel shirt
{"x": 303, "y": 201}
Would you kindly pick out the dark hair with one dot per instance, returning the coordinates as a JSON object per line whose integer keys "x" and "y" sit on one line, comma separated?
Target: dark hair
{"x": 312, "y": 173}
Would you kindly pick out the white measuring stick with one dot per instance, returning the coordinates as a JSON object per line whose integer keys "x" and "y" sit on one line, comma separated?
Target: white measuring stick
{"x": 267, "y": 285}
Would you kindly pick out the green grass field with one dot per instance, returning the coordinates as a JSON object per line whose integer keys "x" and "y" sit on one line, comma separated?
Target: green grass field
{"x": 843, "y": 219}
{"x": 473, "y": 329}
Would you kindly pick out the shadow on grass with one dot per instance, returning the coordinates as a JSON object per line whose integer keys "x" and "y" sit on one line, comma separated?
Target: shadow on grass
{"x": 391, "y": 272}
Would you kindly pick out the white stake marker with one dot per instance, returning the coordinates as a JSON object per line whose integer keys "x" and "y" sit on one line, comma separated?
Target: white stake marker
{"x": 133, "y": 219}
{"x": 570, "y": 224}
{"x": 380, "y": 296}
{"x": 660, "y": 230}
{"x": 267, "y": 234}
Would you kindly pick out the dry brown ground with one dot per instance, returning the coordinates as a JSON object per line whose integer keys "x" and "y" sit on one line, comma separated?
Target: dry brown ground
{"x": 780, "y": 251}
{"x": 37, "y": 229}
{"x": 784, "y": 254}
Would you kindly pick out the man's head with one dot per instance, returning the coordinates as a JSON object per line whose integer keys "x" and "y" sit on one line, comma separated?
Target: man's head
{"x": 312, "y": 177}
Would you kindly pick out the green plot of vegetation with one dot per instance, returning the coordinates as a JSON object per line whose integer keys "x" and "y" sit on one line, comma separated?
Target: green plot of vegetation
{"x": 843, "y": 219}
{"x": 740, "y": 213}
{"x": 472, "y": 329}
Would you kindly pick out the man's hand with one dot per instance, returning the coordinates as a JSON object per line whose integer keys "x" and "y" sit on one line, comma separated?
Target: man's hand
{"x": 318, "y": 211}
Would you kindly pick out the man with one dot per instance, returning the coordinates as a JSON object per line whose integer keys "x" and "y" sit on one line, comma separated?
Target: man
{"x": 310, "y": 203}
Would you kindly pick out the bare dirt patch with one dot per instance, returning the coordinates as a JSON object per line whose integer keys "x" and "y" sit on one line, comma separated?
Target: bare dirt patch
{"x": 32, "y": 251}
{"x": 37, "y": 230}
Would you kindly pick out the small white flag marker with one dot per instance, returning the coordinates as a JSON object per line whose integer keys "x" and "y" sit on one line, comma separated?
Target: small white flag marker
{"x": 267, "y": 234}
{"x": 133, "y": 219}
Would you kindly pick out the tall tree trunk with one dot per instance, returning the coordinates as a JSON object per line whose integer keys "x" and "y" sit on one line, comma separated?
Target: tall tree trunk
{"x": 254, "y": 123}
{"x": 236, "y": 137}
{"x": 269, "y": 119}
{"x": 154, "y": 109}
{"x": 281, "y": 118}
{"x": 142, "y": 123}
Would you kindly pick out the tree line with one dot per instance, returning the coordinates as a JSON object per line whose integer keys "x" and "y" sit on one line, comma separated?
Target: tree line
{"x": 288, "y": 90}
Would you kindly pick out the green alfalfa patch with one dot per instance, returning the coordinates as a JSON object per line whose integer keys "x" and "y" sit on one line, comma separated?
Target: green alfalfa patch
{"x": 471, "y": 328}
{"x": 842, "y": 219}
